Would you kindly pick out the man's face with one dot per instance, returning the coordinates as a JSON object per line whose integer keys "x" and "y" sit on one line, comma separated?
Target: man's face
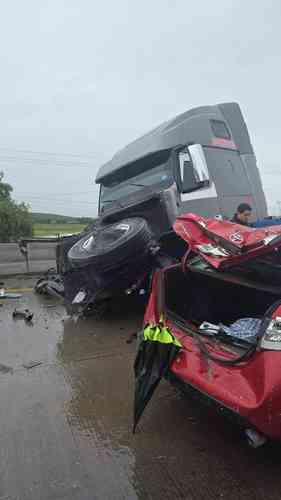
{"x": 244, "y": 216}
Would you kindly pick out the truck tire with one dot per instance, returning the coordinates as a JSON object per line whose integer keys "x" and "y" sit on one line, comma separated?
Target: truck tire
{"x": 112, "y": 246}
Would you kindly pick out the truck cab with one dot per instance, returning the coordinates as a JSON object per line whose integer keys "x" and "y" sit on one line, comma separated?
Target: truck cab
{"x": 201, "y": 161}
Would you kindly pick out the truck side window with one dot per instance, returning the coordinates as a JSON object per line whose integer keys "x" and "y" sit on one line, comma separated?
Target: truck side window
{"x": 220, "y": 129}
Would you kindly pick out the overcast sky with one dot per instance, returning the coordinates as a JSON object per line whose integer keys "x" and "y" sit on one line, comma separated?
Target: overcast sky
{"x": 81, "y": 78}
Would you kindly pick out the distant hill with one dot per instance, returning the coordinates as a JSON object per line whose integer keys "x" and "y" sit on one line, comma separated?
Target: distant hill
{"x": 41, "y": 218}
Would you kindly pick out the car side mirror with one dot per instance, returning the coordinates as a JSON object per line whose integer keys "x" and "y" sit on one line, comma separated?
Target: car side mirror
{"x": 193, "y": 168}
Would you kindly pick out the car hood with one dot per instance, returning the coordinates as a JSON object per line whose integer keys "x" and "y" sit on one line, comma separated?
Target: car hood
{"x": 224, "y": 244}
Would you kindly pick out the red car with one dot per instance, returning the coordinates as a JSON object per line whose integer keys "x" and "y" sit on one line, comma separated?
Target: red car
{"x": 223, "y": 302}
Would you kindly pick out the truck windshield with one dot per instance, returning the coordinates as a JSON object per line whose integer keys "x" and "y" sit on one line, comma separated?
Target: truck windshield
{"x": 121, "y": 186}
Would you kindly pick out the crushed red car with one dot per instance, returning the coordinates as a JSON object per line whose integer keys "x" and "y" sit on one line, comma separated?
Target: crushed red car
{"x": 223, "y": 303}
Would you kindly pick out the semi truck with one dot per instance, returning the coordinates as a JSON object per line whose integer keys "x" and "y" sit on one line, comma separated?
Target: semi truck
{"x": 201, "y": 161}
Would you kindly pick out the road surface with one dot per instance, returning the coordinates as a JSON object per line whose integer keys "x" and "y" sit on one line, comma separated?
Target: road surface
{"x": 66, "y": 424}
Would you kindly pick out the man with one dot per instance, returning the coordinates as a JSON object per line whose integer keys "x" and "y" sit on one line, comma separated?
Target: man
{"x": 243, "y": 214}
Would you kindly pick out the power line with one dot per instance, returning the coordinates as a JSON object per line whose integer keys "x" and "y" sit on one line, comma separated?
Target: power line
{"x": 20, "y": 157}
{"x": 74, "y": 193}
{"x": 49, "y": 153}
{"x": 42, "y": 162}
{"x": 57, "y": 200}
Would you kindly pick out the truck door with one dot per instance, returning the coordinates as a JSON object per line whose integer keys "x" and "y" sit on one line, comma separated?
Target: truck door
{"x": 231, "y": 179}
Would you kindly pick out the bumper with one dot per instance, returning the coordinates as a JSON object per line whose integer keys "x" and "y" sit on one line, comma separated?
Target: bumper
{"x": 250, "y": 394}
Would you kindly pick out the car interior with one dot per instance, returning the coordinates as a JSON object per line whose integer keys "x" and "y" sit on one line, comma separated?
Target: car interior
{"x": 198, "y": 296}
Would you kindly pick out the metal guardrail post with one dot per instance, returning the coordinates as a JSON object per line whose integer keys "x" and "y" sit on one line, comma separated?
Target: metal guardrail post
{"x": 23, "y": 247}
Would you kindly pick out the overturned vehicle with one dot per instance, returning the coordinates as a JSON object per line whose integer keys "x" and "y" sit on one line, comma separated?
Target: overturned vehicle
{"x": 201, "y": 161}
{"x": 222, "y": 304}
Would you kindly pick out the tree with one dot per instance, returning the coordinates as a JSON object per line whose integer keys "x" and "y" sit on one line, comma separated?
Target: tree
{"x": 15, "y": 218}
{"x": 5, "y": 189}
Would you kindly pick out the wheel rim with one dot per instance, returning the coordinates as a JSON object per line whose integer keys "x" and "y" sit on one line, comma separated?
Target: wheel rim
{"x": 88, "y": 243}
{"x": 106, "y": 238}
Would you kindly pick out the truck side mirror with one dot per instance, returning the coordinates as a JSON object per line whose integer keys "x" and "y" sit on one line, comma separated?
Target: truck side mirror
{"x": 189, "y": 182}
{"x": 193, "y": 168}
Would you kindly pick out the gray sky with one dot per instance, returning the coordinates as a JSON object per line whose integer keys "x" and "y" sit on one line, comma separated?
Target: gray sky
{"x": 80, "y": 79}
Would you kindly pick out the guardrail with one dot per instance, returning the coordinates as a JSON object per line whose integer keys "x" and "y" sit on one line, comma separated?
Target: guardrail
{"x": 25, "y": 249}
{"x": 31, "y": 253}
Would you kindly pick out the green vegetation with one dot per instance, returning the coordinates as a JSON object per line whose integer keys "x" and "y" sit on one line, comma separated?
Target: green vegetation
{"x": 16, "y": 221}
{"x": 15, "y": 218}
{"x": 39, "y": 218}
{"x": 54, "y": 224}
{"x": 55, "y": 229}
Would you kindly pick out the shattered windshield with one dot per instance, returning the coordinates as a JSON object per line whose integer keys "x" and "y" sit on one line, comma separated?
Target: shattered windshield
{"x": 149, "y": 174}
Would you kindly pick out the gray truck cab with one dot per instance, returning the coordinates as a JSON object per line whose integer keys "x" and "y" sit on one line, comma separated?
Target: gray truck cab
{"x": 202, "y": 161}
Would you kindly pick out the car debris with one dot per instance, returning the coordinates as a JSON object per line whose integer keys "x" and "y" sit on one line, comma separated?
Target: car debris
{"x": 23, "y": 314}
{"x": 225, "y": 310}
{"x": 212, "y": 250}
{"x": 8, "y": 295}
{"x": 50, "y": 284}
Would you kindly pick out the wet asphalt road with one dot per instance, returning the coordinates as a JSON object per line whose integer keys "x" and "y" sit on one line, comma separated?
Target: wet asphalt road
{"x": 66, "y": 424}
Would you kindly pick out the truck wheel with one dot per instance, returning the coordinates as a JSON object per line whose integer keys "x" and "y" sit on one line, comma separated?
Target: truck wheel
{"x": 112, "y": 245}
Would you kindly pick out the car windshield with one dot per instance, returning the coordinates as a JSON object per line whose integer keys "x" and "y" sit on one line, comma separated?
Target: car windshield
{"x": 120, "y": 186}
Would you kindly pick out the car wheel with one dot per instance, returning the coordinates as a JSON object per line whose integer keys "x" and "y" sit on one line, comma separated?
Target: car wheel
{"x": 112, "y": 246}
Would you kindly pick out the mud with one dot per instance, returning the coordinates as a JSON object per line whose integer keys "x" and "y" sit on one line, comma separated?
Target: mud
{"x": 66, "y": 392}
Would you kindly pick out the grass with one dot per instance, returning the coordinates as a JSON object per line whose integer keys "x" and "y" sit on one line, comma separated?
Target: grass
{"x": 55, "y": 229}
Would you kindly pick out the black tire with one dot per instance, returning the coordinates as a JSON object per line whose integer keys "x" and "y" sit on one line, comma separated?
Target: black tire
{"x": 112, "y": 246}
{"x": 63, "y": 264}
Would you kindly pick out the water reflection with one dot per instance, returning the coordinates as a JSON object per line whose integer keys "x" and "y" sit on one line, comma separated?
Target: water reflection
{"x": 181, "y": 450}
{"x": 96, "y": 361}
